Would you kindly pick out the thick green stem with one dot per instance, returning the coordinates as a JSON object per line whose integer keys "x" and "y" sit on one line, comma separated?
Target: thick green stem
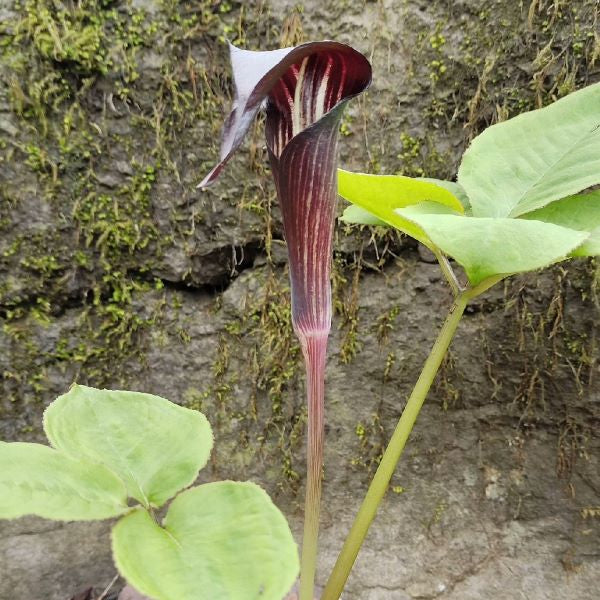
{"x": 390, "y": 458}
{"x": 314, "y": 348}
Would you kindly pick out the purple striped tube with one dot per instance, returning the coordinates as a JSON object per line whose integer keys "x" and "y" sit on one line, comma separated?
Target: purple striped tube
{"x": 306, "y": 89}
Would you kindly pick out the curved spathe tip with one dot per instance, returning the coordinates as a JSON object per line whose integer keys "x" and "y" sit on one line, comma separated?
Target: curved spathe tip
{"x": 309, "y": 80}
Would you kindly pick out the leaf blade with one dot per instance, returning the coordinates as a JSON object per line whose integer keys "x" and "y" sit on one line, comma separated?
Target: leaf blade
{"x": 154, "y": 445}
{"x": 356, "y": 215}
{"x": 535, "y": 158}
{"x": 486, "y": 247}
{"x": 38, "y": 480}
{"x": 380, "y": 195}
{"x": 203, "y": 550}
{"x": 580, "y": 212}
{"x": 454, "y": 188}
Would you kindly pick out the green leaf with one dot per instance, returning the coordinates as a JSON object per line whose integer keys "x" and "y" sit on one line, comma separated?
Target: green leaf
{"x": 222, "y": 540}
{"x": 155, "y": 446}
{"x": 454, "y": 188}
{"x": 486, "y": 247}
{"x": 37, "y": 480}
{"x": 360, "y": 216}
{"x": 581, "y": 212}
{"x": 535, "y": 158}
{"x": 380, "y": 195}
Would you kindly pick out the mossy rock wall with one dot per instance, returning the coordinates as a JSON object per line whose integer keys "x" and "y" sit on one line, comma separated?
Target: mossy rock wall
{"x": 115, "y": 271}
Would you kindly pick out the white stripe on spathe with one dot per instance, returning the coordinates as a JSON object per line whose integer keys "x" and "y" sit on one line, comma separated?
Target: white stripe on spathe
{"x": 320, "y": 102}
{"x": 297, "y": 121}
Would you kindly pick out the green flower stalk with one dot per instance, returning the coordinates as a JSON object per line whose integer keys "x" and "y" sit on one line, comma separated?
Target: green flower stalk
{"x": 306, "y": 89}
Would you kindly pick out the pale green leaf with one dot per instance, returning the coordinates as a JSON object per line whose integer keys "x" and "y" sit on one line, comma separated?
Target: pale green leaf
{"x": 359, "y": 216}
{"x": 380, "y": 195}
{"x": 486, "y": 247}
{"x": 591, "y": 247}
{"x": 535, "y": 158}
{"x": 581, "y": 212}
{"x": 155, "y": 446}
{"x": 222, "y": 540}
{"x": 454, "y": 188}
{"x": 37, "y": 480}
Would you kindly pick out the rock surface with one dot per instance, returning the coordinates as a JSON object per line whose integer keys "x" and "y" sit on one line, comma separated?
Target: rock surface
{"x": 115, "y": 271}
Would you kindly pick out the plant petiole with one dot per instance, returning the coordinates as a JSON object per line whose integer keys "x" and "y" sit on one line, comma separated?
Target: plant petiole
{"x": 448, "y": 272}
{"x": 392, "y": 454}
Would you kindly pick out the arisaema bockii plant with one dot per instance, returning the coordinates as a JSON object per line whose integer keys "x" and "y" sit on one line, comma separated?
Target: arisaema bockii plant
{"x": 523, "y": 199}
{"x": 305, "y": 90}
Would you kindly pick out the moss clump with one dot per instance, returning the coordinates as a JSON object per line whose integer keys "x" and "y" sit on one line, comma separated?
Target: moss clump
{"x": 117, "y": 224}
{"x": 71, "y": 36}
{"x": 102, "y": 121}
{"x": 346, "y": 277}
{"x": 371, "y": 444}
{"x": 260, "y": 347}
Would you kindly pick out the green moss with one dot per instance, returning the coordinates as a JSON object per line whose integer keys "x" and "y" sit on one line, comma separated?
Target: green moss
{"x": 371, "y": 444}
{"x": 346, "y": 279}
{"x": 271, "y": 362}
{"x": 121, "y": 223}
{"x": 73, "y": 36}
{"x": 386, "y": 323}
{"x": 59, "y": 61}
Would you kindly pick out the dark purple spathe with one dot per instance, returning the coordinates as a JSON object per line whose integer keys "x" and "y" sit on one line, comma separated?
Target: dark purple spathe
{"x": 306, "y": 89}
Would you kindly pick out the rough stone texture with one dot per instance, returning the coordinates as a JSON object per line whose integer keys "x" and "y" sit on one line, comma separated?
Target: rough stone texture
{"x": 115, "y": 271}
